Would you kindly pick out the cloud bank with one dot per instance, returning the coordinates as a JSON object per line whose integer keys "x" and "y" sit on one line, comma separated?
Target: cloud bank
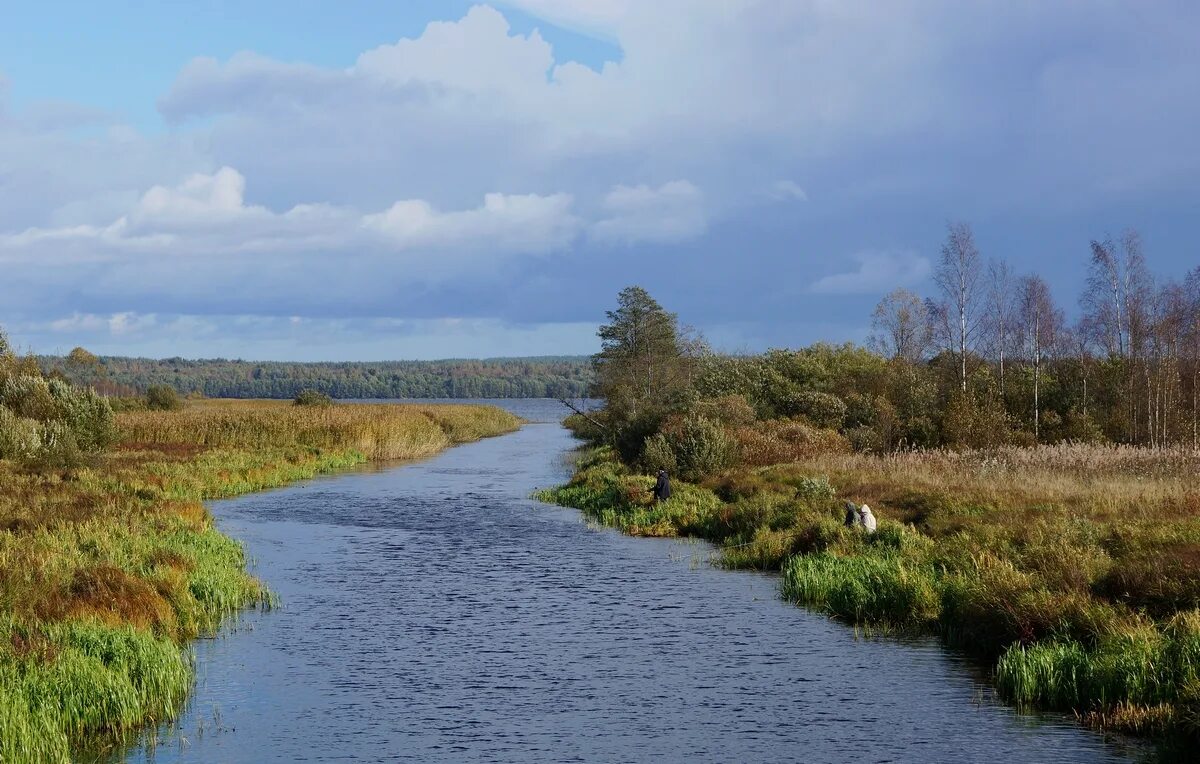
{"x": 735, "y": 154}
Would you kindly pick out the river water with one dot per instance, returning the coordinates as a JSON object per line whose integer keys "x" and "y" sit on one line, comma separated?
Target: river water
{"x": 433, "y": 612}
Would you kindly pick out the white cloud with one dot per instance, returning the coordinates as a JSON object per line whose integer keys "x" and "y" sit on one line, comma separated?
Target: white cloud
{"x": 505, "y": 222}
{"x": 876, "y": 272}
{"x": 207, "y": 214}
{"x": 473, "y": 55}
{"x": 673, "y": 212}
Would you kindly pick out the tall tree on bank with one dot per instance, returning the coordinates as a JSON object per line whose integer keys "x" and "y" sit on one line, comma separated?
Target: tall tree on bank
{"x": 900, "y": 326}
{"x": 1040, "y": 323}
{"x": 957, "y": 276}
{"x": 644, "y": 363}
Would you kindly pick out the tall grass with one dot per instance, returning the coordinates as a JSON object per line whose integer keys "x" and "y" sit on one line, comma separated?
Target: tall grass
{"x": 375, "y": 431}
{"x": 106, "y": 571}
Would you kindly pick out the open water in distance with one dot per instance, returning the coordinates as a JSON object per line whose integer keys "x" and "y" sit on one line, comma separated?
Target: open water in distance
{"x": 434, "y": 612}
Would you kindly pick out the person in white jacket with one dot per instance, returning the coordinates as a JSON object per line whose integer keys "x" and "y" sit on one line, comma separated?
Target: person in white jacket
{"x": 866, "y": 518}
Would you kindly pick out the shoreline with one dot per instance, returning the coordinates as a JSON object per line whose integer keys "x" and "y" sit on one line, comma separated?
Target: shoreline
{"x": 895, "y": 582}
{"x": 133, "y": 567}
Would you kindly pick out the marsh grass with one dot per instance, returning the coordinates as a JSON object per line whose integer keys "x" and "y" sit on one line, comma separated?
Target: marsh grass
{"x": 106, "y": 571}
{"x": 1073, "y": 570}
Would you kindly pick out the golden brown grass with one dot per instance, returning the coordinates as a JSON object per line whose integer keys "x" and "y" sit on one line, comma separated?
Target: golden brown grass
{"x": 1104, "y": 483}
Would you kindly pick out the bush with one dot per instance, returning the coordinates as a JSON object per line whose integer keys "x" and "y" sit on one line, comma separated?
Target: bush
{"x": 630, "y": 436}
{"x": 312, "y": 398}
{"x": 657, "y": 455}
{"x": 701, "y": 448}
{"x": 973, "y": 424}
{"x": 86, "y": 414}
{"x": 49, "y": 423}
{"x": 729, "y": 410}
{"x": 822, "y": 409}
{"x": 781, "y": 441}
{"x": 163, "y": 398}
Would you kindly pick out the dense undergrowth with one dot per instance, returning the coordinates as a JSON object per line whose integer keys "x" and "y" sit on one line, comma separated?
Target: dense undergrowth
{"x": 108, "y": 568}
{"x": 1073, "y": 570}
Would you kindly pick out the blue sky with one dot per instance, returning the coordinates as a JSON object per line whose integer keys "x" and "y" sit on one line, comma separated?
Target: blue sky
{"x": 427, "y": 179}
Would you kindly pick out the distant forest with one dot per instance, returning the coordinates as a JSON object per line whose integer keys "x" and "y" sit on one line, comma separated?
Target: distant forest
{"x": 541, "y": 377}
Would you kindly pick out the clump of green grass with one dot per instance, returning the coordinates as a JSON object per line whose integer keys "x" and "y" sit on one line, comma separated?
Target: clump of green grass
{"x": 883, "y": 589}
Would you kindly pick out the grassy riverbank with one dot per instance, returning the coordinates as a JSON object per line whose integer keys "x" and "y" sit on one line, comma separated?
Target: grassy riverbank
{"x": 1073, "y": 570}
{"x": 107, "y": 570}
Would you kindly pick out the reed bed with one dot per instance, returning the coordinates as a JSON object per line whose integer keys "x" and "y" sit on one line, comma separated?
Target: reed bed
{"x": 377, "y": 431}
{"x": 108, "y": 570}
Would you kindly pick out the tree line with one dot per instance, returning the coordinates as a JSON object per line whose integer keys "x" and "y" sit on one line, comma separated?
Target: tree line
{"x": 987, "y": 359}
{"x": 541, "y": 377}
{"x": 1126, "y": 370}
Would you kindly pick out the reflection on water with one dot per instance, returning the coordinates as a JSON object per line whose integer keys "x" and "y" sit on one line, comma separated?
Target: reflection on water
{"x": 432, "y": 612}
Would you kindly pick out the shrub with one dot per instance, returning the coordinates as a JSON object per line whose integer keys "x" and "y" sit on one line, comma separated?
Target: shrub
{"x": 865, "y": 439}
{"x": 813, "y": 489}
{"x": 729, "y": 410}
{"x": 50, "y": 423}
{"x": 1078, "y": 427}
{"x": 163, "y": 398}
{"x": 657, "y": 455}
{"x": 86, "y": 414}
{"x": 973, "y": 424}
{"x": 630, "y": 437}
{"x": 700, "y": 447}
{"x": 822, "y": 409}
{"x": 29, "y": 397}
{"x": 780, "y": 441}
{"x": 312, "y": 398}
{"x": 20, "y": 437}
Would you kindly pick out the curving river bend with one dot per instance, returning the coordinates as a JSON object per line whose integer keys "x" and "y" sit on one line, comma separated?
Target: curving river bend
{"x": 433, "y": 612}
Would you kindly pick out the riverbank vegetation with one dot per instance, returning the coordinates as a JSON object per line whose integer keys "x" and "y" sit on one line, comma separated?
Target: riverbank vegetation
{"x": 109, "y": 563}
{"x": 1037, "y": 508}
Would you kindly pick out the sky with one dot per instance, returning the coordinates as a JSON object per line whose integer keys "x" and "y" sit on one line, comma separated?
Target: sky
{"x": 309, "y": 180}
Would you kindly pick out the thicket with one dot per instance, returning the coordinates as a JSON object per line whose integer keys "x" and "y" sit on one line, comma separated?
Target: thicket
{"x": 163, "y": 398}
{"x": 48, "y": 422}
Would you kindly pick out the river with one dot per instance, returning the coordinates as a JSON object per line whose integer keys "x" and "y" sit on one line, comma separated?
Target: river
{"x": 433, "y": 612}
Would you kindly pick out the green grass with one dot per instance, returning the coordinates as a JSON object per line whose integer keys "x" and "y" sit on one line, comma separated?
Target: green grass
{"x": 107, "y": 571}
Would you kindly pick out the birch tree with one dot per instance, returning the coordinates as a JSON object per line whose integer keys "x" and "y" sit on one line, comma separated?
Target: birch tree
{"x": 1040, "y": 323}
{"x": 957, "y": 276}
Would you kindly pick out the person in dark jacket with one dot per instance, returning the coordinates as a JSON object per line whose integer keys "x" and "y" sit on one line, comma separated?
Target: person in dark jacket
{"x": 662, "y": 487}
{"x": 851, "y": 514}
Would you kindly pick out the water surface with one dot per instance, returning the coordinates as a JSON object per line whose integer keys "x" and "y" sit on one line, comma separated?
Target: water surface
{"x": 433, "y": 612}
